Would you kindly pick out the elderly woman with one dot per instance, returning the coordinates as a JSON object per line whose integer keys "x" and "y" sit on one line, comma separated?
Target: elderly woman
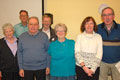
{"x": 8, "y": 57}
{"x": 62, "y": 66}
{"x": 88, "y": 51}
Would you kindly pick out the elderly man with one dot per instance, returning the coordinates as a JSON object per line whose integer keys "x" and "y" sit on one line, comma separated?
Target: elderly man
{"x": 22, "y": 26}
{"x": 33, "y": 59}
{"x": 110, "y": 32}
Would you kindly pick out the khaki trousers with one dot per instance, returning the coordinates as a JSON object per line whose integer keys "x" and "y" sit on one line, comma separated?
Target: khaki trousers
{"x": 105, "y": 68}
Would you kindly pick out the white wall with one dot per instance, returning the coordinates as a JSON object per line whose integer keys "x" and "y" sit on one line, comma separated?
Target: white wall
{"x": 9, "y": 10}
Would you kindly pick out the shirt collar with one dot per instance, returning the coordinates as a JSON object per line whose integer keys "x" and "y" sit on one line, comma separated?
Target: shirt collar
{"x": 111, "y": 26}
{"x": 115, "y": 25}
{"x": 22, "y": 25}
{"x": 14, "y": 38}
{"x": 46, "y": 31}
{"x": 63, "y": 41}
{"x": 34, "y": 34}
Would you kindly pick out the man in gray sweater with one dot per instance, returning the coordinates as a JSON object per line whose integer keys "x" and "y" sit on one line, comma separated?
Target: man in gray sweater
{"x": 32, "y": 55}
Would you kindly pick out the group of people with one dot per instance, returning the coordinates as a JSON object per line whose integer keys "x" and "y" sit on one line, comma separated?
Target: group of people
{"x": 30, "y": 53}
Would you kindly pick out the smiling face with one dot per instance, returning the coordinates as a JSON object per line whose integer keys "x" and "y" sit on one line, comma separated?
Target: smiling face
{"x": 108, "y": 16}
{"x": 60, "y": 32}
{"x": 46, "y": 22}
{"x": 33, "y": 25}
{"x": 89, "y": 27}
{"x": 9, "y": 33}
{"x": 23, "y": 17}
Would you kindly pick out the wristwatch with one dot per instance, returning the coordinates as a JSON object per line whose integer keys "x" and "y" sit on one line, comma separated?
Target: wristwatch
{"x": 82, "y": 66}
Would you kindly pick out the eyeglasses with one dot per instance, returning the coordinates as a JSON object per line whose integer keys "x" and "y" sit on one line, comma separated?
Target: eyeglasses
{"x": 33, "y": 24}
{"x": 60, "y": 31}
{"x": 47, "y": 21}
{"x": 23, "y": 15}
{"x": 104, "y": 15}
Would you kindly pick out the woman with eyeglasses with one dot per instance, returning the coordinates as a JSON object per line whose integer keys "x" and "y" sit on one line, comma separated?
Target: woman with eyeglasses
{"x": 62, "y": 66}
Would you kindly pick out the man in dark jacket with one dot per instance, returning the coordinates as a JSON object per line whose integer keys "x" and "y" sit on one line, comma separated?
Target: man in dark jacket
{"x": 110, "y": 32}
{"x": 47, "y": 21}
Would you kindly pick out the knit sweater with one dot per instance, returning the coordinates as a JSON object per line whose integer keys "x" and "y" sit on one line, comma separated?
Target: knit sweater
{"x": 62, "y": 58}
{"x": 88, "y": 49}
{"x": 32, "y": 51}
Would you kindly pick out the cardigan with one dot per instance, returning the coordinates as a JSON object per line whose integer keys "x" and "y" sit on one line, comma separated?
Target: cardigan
{"x": 62, "y": 58}
{"x": 8, "y": 62}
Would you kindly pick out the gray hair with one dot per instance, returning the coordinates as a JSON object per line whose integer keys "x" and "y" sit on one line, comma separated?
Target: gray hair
{"x": 108, "y": 8}
{"x": 7, "y": 25}
{"x": 33, "y": 17}
{"x": 62, "y": 26}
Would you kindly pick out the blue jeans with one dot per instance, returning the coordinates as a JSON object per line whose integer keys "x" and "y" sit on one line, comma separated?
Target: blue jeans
{"x": 62, "y": 78}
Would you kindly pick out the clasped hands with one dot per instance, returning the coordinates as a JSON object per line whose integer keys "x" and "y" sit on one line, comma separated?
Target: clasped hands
{"x": 88, "y": 71}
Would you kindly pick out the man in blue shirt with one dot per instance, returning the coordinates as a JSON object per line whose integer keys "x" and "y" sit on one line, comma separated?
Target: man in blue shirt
{"x": 110, "y": 32}
{"x": 21, "y": 27}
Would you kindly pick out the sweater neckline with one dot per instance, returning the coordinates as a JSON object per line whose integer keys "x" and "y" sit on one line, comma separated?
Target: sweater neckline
{"x": 89, "y": 35}
{"x": 63, "y": 41}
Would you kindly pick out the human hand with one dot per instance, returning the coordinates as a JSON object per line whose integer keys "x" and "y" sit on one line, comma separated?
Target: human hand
{"x": 86, "y": 69}
{"x": 21, "y": 72}
{"x": 47, "y": 70}
{"x": 90, "y": 73}
{"x": 0, "y": 74}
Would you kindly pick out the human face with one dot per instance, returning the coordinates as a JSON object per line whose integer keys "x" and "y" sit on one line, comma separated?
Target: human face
{"x": 89, "y": 26}
{"x": 9, "y": 33}
{"x": 23, "y": 17}
{"x": 60, "y": 32}
{"x": 33, "y": 26}
{"x": 108, "y": 17}
{"x": 46, "y": 22}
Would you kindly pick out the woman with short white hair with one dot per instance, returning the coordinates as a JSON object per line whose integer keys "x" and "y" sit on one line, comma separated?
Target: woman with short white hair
{"x": 8, "y": 58}
{"x": 62, "y": 66}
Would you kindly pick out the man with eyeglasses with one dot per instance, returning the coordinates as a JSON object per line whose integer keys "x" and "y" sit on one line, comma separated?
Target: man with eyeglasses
{"x": 32, "y": 55}
{"x": 110, "y": 32}
{"x": 22, "y": 26}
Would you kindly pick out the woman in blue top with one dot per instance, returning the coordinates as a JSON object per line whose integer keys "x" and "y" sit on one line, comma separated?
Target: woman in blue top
{"x": 62, "y": 66}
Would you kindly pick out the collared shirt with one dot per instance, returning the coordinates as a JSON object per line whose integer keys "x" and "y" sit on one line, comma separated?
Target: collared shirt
{"x": 19, "y": 29}
{"x": 47, "y": 32}
{"x": 12, "y": 46}
{"x": 110, "y": 29}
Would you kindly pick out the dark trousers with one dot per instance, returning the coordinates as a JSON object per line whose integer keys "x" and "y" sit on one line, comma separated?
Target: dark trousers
{"x": 10, "y": 75}
{"x": 32, "y": 74}
{"x": 81, "y": 75}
